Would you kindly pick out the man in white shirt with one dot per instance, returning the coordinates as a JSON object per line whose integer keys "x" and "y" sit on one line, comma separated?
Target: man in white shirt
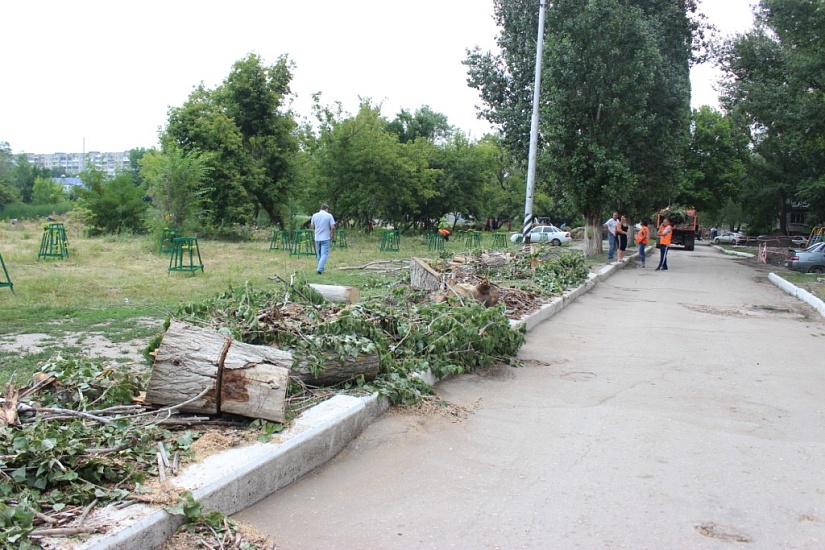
{"x": 612, "y": 241}
{"x": 324, "y": 225}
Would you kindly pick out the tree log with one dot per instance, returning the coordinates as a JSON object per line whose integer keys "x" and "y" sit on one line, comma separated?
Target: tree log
{"x": 9, "y": 408}
{"x": 422, "y": 276}
{"x": 485, "y": 292}
{"x": 338, "y": 369}
{"x": 240, "y": 378}
{"x": 338, "y": 294}
{"x": 188, "y": 361}
{"x": 254, "y": 381}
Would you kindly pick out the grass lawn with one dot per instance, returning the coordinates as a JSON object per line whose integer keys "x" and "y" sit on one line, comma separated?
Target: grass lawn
{"x": 813, "y": 283}
{"x": 119, "y": 287}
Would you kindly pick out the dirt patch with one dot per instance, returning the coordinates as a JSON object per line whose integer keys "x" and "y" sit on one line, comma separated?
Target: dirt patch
{"x": 184, "y": 540}
{"x": 92, "y": 345}
{"x": 434, "y": 406}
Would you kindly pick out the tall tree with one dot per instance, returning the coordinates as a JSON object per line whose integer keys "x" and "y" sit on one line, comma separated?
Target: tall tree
{"x": 365, "y": 173}
{"x": 176, "y": 181}
{"x": 615, "y": 98}
{"x": 424, "y": 123}
{"x": 715, "y": 163}
{"x": 775, "y": 81}
{"x": 202, "y": 125}
{"x": 247, "y": 131}
{"x": 7, "y": 194}
{"x": 254, "y": 97}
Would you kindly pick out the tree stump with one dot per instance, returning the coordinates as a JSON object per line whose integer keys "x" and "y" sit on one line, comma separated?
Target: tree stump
{"x": 422, "y": 276}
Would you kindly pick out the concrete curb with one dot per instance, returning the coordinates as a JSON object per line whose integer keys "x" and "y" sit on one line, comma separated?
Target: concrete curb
{"x": 233, "y": 480}
{"x": 732, "y": 252}
{"x": 799, "y": 293}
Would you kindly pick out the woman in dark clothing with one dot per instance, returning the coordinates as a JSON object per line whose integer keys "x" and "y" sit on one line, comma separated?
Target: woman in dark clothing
{"x": 621, "y": 233}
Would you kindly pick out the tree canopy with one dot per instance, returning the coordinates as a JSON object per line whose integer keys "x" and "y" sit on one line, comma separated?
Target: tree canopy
{"x": 615, "y": 98}
{"x": 774, "y": 83}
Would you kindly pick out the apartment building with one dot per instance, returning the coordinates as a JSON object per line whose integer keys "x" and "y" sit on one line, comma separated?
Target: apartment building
{"x": 74, "y": 163}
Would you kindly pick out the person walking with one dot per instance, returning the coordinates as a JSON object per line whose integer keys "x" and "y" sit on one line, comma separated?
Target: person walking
{"x": 665, "y": 232}
{"x": 324, "y": 225}
{"x": 621, "y": 235}
{"x": 611, "y": 225}
{"x": 642, "y": 238}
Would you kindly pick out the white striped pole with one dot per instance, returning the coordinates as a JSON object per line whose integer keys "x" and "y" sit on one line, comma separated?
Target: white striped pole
{"x": 534, "y": 134}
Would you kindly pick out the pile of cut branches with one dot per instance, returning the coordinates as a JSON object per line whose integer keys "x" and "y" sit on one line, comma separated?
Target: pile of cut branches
{"x": 80, "y": 436}
{"x": 409, "y": 333}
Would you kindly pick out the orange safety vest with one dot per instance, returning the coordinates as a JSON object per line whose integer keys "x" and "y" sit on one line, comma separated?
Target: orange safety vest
{"x": 664, "y": 238}
{"x": 643, "y": 235}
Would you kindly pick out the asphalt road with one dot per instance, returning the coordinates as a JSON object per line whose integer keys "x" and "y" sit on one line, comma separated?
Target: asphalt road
{"x": 678, "y": 409}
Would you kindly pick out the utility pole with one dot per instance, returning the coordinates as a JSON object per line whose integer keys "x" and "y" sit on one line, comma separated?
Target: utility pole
{"x": 534, "y": 134}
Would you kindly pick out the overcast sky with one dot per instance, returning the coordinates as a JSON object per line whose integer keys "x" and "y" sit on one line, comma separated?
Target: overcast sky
{"x": 102, "y": 74}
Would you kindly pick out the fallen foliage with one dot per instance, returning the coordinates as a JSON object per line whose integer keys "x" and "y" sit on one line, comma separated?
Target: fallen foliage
{"x": 80, "y": 436}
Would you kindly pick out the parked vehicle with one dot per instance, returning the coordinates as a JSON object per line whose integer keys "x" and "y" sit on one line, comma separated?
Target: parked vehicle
{"x": 783, "y": 240}
{"x": 810, "y": 260}
{"x": 685, "y": 226}
{"x": 545, "y": 234}
{"x": 729, "y": 237}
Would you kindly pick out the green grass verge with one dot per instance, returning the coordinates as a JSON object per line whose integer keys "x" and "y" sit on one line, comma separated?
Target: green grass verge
{"x": 120, "y": 287}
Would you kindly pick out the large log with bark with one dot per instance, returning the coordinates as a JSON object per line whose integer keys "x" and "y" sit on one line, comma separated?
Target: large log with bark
{"x": 254, "y": 381}
{"x": 339, "y": 369}
{"x": 233, "y": 377}
{"x": 187, "y": 362}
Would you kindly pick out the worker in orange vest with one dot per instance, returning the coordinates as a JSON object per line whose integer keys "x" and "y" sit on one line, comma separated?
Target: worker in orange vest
{"x": 642, "y": 238}
{"x": 665, "y": 233}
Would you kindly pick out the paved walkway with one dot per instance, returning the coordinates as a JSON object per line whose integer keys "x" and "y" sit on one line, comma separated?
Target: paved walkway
{"x": 681, "y": 409}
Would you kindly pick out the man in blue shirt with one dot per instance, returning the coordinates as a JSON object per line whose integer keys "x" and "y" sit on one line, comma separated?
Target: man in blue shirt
{"x": 324, "y": 225}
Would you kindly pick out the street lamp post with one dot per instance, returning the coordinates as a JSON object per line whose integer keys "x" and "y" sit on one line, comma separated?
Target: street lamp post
{"x": 534, "y": 133}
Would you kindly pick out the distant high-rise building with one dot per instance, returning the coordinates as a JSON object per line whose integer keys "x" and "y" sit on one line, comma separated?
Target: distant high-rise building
{"x": 72, "y": 163}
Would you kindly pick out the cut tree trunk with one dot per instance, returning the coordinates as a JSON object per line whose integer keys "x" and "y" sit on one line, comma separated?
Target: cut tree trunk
{"x": 254, "y": 381}
{"x": 338, "y": 294}
{"x": 187, "y": 362}
{"x": 238, "y": 378}
{"x": 9, "y": 408}
{"x": 485, "y": 292}
{"x": 422, "y": 276}
{"x": 338, "y": 369}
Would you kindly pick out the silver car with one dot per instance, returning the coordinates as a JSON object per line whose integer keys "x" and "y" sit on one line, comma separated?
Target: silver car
{"x": 810, "y": 260}
{"x": 544, "y": 234}
{"x": 729, "y": 237}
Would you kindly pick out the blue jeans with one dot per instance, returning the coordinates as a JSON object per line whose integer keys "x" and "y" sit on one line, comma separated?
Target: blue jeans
{"x": 642, "y": 248}
{"x": 321, "y": 252}
{"x": 662, "y": 256}
{"x": 612, "y": 241}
